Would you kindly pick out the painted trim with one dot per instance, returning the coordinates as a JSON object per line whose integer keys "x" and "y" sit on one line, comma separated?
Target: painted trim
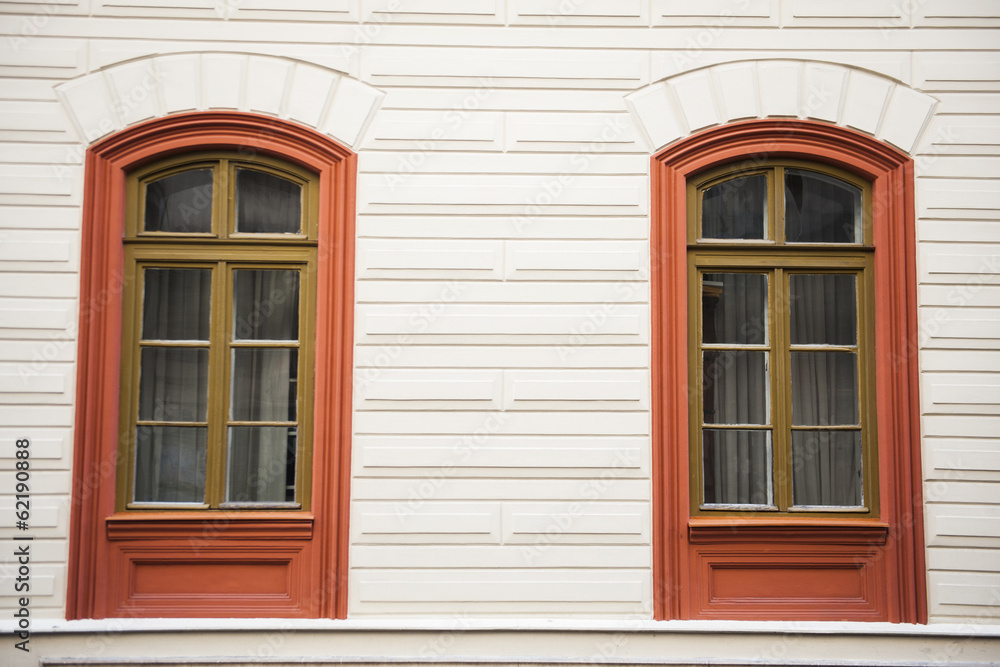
{"x": 681, "y": 540}
{"x": 96, "y": 438}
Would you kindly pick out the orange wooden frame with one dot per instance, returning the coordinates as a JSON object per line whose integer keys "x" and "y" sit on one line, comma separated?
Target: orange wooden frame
{"x": 294, "y": 563}
{"x": 789, "y": 568}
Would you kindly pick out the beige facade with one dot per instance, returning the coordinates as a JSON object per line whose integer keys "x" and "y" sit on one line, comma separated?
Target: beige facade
{"x": 501, "y": 491}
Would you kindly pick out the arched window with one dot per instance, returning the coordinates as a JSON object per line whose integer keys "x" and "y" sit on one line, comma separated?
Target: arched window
{"x": 780, "y": 313}
{"x": 218, "y": 329}
{"x": 786, "y": 448}
{"x": 213, "y": 420}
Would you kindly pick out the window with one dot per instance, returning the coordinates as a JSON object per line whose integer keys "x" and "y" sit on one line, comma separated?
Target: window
{"x": 212, "y": 439}
{"x": 785, "y": 425}
{"x": 218, "y": 331}
{"x": 780, "y": 266}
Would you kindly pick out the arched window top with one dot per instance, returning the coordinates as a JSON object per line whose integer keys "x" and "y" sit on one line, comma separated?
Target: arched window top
{"x": 784, "y": 203}
{"x": 223, "y": 195}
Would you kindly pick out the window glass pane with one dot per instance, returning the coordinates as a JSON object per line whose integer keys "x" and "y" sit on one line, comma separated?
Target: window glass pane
{"x": 266, "y": 304}
{"x": 261, "y": 464}
{"x": 826, "y": 468}
{"x": 737, "y": 467}
{"x": 735, "y": 209}
{"x": 824, "y": 388}
{"x": 170, "y": 464}
{"x": 821, "y": 209}
{"x": 180, "y": 203}
{"x": 824, "y": 309}
{"x": 176, "y": 304}
{"x": 264, "y": 384}
{"x": 267, "y": 204}
{"x": 735, "y": 387}
{"x": 734, "y": 308}
{"x": 173, "y": 384}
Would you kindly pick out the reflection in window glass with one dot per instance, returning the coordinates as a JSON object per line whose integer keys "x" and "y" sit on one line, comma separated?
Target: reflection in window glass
{"x": 180, "y": 203}
{"x": 824, "y": 309}
{"x": 824, "y": 388}
{"x": 264, "y": 384}
{"x": 176, "y": 304}
{"x": 737, "y": 467}
{"x": 170, "y": 464}
{"x": 734, "y": 308}
{"x": 735, "y": 385}
{"x": 821, "y": 209}
{"x": 266, "y": 304}
{"x": 267, "y": 204}
{"x": 735, "y": 209}
{"x": 261, "y": 464}
{"x": 173, "y": 384}
{"x": 826, "y": 468}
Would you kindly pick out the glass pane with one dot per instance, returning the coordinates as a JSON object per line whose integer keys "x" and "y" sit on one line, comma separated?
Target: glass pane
{"x": 176, "y": 304}
{"x": 735, "y": 209}
{"x": 173, "y": 384}
{"x": 737, "y": 467}
{"x": 266, "y": 304}
{"x": 264, "y": 384}
{"x": 824, "y": 388}
{"x": 824, "y": 309}
{"x": 735, "y": 387}
{"x": 734, "y": 308}
{"x": 170, "y": 464}
{"x": 261, "y": 464}
{"x": 180, "y": 203}
{"x": 826, "y": 468}
{"x": 267, "y": 204}
{"x": 821, "y": 209}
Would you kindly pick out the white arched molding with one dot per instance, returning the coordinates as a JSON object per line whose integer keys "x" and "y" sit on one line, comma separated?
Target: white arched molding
{"x": 848, "y": 96}
{"x": 123, "y": 94}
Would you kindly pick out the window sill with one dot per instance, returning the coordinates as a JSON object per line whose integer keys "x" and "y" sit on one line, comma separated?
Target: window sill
{"x": 802, "y": 530}
{"x": 217, "y": 525}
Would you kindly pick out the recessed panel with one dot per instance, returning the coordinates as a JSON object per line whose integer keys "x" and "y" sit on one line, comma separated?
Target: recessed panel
{"x": 205, "y": 578}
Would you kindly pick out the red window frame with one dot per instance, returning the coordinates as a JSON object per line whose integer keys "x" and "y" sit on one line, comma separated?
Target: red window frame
{"x": 124, "y": 564}
{"x": 789, "y": 568}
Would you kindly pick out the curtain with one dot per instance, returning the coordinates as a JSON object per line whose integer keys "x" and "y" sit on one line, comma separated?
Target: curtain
{"x": 267, "y": 204}
{"x": 264, "y": 386}
{"x": 826, "y": 464}
{"x": 173, "y": 386}
{"x": 736, "y": 390}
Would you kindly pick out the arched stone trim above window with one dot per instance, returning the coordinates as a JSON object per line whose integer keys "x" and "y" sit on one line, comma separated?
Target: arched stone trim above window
{"x": 124, "y": 94}
{"x": 809, "y": 90}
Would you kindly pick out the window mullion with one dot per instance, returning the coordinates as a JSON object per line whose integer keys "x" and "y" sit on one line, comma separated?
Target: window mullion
{"x": 781, "y": 391}
{"x": 777, "y": 216}
{"x": 223, "y": 211}
{"x": 218, "y": 385}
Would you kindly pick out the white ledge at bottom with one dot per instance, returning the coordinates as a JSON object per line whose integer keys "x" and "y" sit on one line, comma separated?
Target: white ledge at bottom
{"x": 413, "y": 624}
